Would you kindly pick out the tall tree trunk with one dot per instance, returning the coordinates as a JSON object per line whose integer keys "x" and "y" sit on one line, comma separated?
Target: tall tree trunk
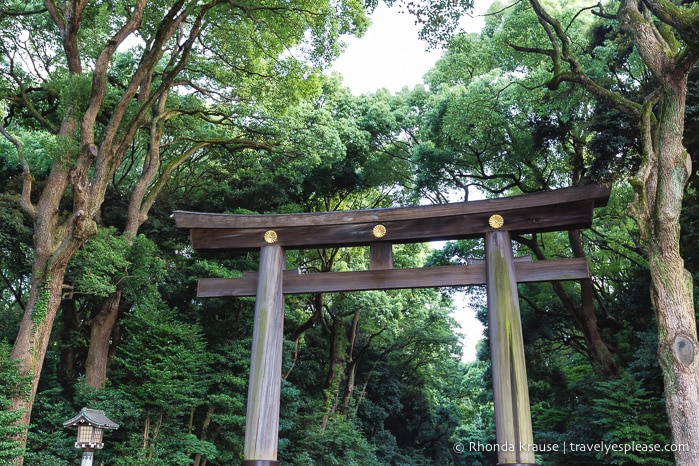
{"x": 583, "y": 313}
{"x": 350, "y": 386}
{"x": 67, "y": 371}
{"x": 586, "y": 317}
{"x": 198, "y": 459}
{"x": 659, "y": 185}
{"x": 55, "y": 242}
{"x": 666, "y": 40}
{"x": 365, "y": 385}
{"x": 34, "y": 333}
{"x": 101, "y": 327}
{"x": 56, "y": 239}
{"x": 146, "y": 434}
{"x": 336, "y": 369}
{"x": 351, "y": 364}
{"x": 296, "y": 336}
{"x": 660, "y": 188}
{"x": 602, "y": 357}
{"x": 142, "y": 197}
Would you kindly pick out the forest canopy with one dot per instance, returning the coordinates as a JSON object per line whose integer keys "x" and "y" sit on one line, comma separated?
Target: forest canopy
{"x": 115, "y": 114}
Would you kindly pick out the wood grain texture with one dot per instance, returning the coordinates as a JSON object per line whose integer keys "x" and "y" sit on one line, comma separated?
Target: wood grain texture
{"x": 540, "y": 219}
{"x": 563, "y": 209}
{"x": 599, "y": 196}
{"x": 428, "y": 277}
{"x": 380, "y": 256}
{"x": 510, "y": 392}
{"x": 262, "y": 419}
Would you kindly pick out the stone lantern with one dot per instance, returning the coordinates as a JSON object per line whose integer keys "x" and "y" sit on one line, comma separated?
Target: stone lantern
{"x": 91, "y": 424}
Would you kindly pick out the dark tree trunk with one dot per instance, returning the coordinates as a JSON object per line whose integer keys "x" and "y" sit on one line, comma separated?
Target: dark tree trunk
{"x": 99, "y": 350}
{"x": 67, "y": 372}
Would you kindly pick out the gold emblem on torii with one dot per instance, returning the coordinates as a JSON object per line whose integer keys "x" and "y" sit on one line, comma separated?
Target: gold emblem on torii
{"x": 379, "y": 231}
{"x": 496, "y": 221}
{"x": 270, "y": 237}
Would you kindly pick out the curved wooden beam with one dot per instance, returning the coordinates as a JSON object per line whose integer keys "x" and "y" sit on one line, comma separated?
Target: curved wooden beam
{"x": 562, "y": 209}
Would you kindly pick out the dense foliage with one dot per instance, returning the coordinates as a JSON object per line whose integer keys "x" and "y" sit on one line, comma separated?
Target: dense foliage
{"x": 371, "y": 378}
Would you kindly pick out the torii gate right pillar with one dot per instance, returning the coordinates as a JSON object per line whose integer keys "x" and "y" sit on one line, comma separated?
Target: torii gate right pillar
{"x": 513, "y": 426}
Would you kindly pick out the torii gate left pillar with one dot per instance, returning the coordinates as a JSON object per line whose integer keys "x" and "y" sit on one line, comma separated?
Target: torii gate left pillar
{"x": 264, "y": 390}
{"x": 568, "y": 208}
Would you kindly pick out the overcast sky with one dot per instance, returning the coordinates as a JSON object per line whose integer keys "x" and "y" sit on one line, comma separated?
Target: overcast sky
{"x": 390, "y": 55}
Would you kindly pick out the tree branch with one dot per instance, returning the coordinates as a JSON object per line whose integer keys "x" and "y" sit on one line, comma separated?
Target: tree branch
{"x": 683, "y": 21}
{"x": 576, "y": 74}
{"x": 25, "y": 198}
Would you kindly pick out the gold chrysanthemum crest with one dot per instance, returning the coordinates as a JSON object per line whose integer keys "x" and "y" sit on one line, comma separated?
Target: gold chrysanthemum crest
{"x": 496, "y": 221}
{"x": 379, "y": 231}
{"x": 270, "y": 237}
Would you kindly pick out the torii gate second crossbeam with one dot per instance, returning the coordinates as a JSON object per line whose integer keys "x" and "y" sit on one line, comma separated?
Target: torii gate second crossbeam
{"x": 494, "y": 219}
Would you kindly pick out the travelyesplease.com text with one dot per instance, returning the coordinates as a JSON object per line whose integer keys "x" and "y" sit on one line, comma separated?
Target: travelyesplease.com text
{"x": 570, "y": 447}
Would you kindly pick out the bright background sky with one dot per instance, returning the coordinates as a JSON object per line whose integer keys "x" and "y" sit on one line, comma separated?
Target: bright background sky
{"x": 391, "y": 56}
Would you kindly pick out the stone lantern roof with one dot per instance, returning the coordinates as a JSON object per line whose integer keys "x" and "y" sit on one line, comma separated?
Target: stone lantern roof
{"x": 94, "y": 417}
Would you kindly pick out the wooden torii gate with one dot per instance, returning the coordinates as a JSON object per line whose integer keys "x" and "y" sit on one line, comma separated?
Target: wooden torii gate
{"x": 495, "y": 219}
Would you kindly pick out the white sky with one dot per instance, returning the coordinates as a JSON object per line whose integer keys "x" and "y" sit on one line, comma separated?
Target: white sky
{"x": 391, "y": 56}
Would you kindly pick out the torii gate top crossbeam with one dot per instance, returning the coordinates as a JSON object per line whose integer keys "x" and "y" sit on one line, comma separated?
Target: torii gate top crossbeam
{"x": 562, "y": 209}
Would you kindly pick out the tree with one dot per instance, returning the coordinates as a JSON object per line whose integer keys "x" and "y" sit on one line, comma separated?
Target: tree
{"x": 98, "y": 78}
{"x": 13, "y": 384}
{"x": 664, "y": 36}
{"x": 166, "y": 383}
{"x": 485, "y": 128}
